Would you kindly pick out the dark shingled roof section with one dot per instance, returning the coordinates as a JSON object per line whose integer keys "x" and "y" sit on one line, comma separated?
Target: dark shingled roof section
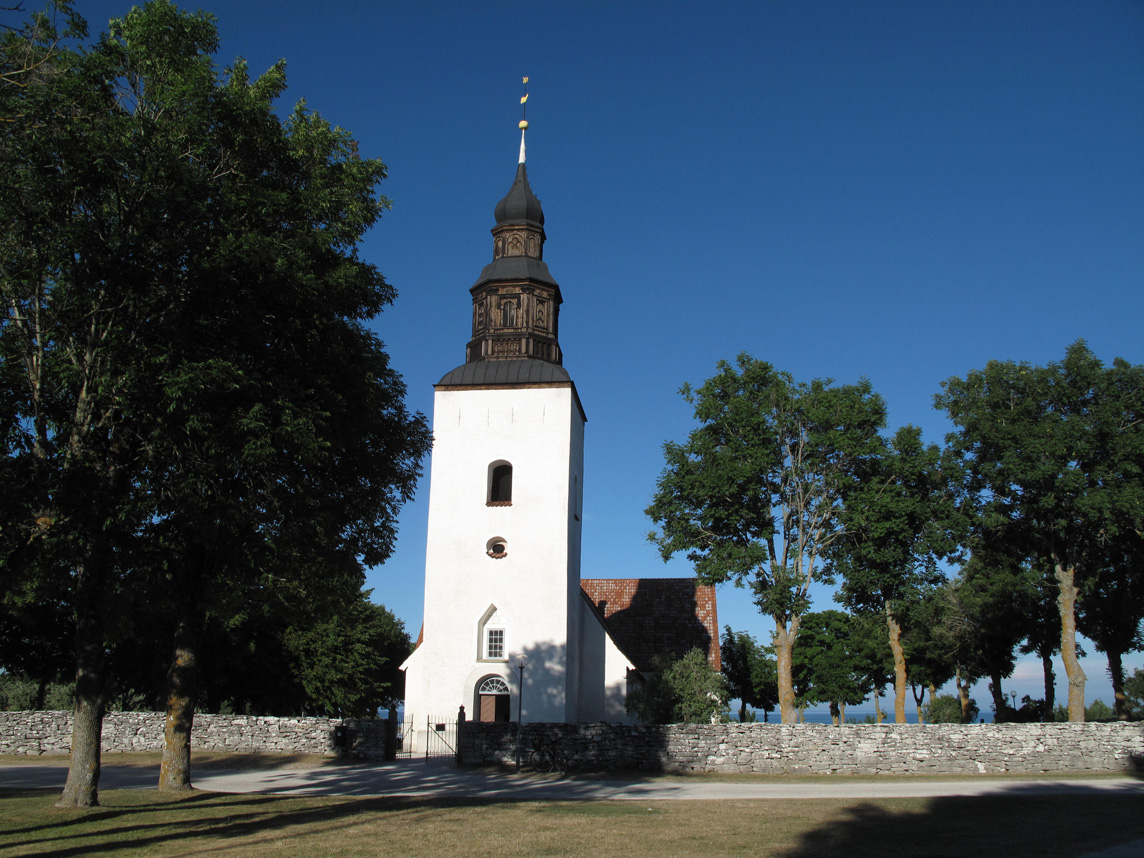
{"x": 649, "y": 616}
{"x": 524, "y": 371}
{"x": 513, "y": 268}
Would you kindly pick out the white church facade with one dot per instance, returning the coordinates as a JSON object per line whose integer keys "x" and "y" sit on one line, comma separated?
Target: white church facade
{"x": 502, "y": 571}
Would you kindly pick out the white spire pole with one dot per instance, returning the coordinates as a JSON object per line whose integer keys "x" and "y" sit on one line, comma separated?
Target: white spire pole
{"x": 523, "y": 120}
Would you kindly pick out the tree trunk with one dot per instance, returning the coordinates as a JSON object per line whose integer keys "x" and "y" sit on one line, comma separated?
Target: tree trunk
{"x": 82, "y": 786}
{"x": 899, "y": 666}
{"x": 1050, "y": 684}
{"x": 842, "y": 713}
{"x": 1066, "y": 601}
{"x": 835, "y": 713}
{"x": 1116, "y": 673}
{"x": 919, "y": 693}
{"x": 784, "y": 646}
{"x": 182, "y": 694}
{"x": 962, "y": 695}
{"x": 1000, "y": 707}
{"x": 878, "y": 716}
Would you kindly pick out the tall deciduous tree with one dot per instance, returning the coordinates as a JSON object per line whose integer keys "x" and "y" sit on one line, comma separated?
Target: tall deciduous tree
{"x": 1055, "y": 456}
{"x": 833, "y": 659}
{"x": 754, "y": 495}
{"x": 901, "y": 518}
{"x": 184, "y": 294}
{"x": 1111, "y": 614}
{"x": 750, "y": 672}
{"x": 996, "y": 600}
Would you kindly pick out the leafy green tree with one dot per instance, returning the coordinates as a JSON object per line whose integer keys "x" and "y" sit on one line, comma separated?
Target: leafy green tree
{"x": 754, "y": 495}
{"x": 901, "y": 519}
{"x": 831, "y": 656}
{"x": 1042, "y": 635}
{"x": 947, "y": 709}
{"x": 875, "y": 660}
{"x": 687, "y": 690}
{"x": 1055, "y": 458}
{"x": 72, "y": 247}
{"x": 1111, "y": 612}
{"x": 1134, "y": 693}
{"x": 750, "y": 673}
{"x": 349, "y": 664}
{"x": 1000, "y": 599}
{"x": 1098, "y": 710}
{"x": 204, "y": 410}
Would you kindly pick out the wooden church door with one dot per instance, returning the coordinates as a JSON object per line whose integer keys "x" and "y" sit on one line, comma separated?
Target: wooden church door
{"x": 495, "y": 701}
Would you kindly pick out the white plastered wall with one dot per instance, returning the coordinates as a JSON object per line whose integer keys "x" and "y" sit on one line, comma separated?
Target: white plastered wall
{"x": 604, "y": 677}
{"x": 540, "y": 432}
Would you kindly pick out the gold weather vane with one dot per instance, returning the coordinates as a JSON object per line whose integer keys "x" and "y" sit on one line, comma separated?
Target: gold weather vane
{"x": 523, "y": 118}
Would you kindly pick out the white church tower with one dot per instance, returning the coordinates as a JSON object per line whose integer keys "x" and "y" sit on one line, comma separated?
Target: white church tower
{"x": 502, "y": 567}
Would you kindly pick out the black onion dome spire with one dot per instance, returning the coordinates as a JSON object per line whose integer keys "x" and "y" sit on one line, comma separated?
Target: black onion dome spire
{"x": 520, "y": 205}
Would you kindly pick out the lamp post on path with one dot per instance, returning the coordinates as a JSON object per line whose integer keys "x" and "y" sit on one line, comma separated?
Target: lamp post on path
{"x": 521, "y": 661}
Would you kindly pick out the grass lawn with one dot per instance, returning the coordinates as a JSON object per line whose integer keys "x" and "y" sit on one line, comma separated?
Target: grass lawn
{"x": 144, "y": 823}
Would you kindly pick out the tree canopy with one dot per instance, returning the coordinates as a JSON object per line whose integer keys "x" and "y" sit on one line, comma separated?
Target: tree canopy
{"x": 1055, "y": 464}
{"x": 750, "y": 672}
{"x": 754, "y": 495}
{"x": 198, "y": 412}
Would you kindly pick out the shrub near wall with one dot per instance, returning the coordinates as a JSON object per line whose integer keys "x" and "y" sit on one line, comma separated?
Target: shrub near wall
{"x": 34, "y": 733}
{"x": 820, "y": 749}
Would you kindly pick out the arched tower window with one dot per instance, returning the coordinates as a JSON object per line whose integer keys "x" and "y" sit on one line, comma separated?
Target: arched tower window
{"x": 500, "y": 484}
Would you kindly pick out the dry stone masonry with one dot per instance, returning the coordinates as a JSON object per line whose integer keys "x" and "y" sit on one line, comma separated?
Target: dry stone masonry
{"x": 820, "y": 749}
{"x": 34, "y": 733}
{"x": 762, "y": 748}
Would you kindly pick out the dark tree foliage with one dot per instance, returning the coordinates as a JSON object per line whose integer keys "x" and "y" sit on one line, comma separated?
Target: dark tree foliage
{"x": 1134, "y": 693}
{"x": 755, "y": 493}
{"x": 998, "y": 599}
{"x": 901, "y": 519}
{"x": 200, "y": 415}
{"x": 684, "y": 691}
{"x": 750, "y": 672}
{"x": 1111, "y": 611}
{"x": 831, "y": 662}
{"x": 348, "y": 665}
{"x": 1055, "y": 464}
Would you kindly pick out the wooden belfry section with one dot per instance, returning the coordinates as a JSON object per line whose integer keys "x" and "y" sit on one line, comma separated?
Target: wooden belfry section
{"x": 516, "y": 303}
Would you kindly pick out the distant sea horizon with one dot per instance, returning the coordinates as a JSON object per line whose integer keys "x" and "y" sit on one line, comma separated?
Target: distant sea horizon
{"x": 855, "y": 716}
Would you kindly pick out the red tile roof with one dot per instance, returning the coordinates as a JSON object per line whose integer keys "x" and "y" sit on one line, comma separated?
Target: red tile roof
{"x": 649, "y": 616}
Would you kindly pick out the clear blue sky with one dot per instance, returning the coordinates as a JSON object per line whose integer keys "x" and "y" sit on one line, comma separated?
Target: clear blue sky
{"x": 897, "y": 190}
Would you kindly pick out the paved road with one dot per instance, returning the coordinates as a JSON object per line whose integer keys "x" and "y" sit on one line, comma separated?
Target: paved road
{"x": 437, "y": 779}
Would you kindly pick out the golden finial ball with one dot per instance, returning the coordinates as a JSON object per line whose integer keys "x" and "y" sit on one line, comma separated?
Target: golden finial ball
{"x": 523, "y": 124}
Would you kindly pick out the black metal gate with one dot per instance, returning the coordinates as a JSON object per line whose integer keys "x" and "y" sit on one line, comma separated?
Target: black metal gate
{"x": 431, "y": 738}
{"x": 441, "y": 738}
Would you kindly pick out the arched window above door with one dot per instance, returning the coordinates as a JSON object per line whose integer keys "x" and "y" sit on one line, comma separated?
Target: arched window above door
{"x": 494, "y": 685}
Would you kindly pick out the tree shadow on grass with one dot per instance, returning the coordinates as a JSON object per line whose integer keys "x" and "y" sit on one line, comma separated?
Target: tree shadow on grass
{"x": 1007, "y": 824}
{"x": 206, "y": 820}
{"x": 69, "y": 817}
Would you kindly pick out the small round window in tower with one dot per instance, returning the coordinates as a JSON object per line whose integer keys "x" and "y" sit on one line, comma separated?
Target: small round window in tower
{"x": 496, "y": 548}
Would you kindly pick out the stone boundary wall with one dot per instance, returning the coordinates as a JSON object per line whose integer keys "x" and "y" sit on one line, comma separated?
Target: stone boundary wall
{"x": 820, "y": 749}
{"x": 34, "y": 733}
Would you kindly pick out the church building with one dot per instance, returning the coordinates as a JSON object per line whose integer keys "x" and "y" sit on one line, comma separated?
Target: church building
{"x": 504, "y": 600}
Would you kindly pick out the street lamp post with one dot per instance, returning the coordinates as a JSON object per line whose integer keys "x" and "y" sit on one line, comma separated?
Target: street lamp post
{"x": 521, "y": 661}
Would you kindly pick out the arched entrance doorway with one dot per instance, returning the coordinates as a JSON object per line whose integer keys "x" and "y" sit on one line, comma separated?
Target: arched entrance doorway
{"x": 493, "y": 700}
